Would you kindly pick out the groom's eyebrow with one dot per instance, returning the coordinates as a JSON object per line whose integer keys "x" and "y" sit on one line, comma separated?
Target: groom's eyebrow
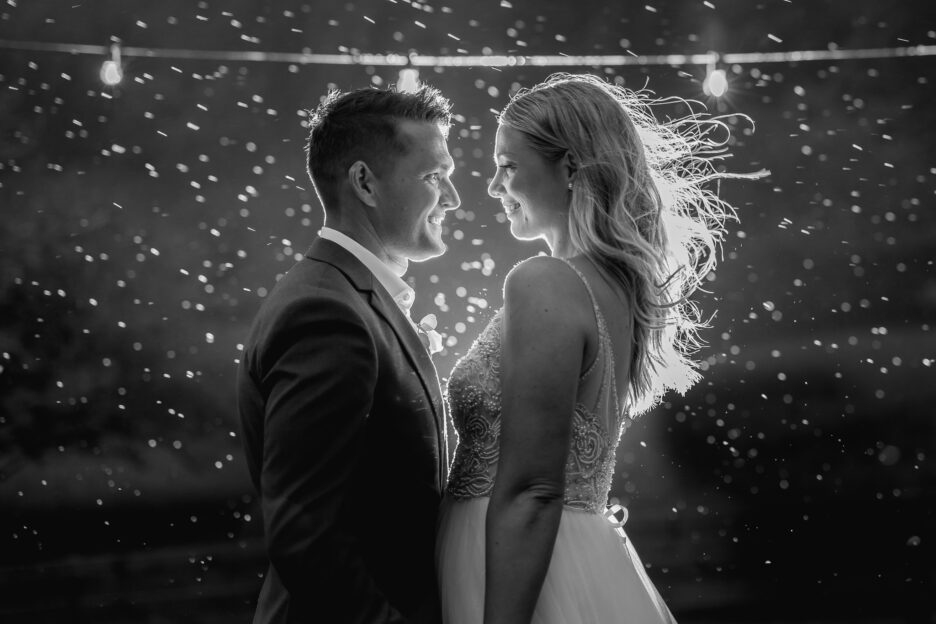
{"x": 447, "y": 164}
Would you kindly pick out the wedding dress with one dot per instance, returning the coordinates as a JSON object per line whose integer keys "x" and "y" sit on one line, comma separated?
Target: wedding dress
{"x": 594, "y": 575}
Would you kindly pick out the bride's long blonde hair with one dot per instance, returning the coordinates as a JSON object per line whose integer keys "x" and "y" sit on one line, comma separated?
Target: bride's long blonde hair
{"x": 641, "y": 208}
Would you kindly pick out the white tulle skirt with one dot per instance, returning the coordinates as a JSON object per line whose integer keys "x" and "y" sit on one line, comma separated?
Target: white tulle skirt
{"x": 594, "y": 577}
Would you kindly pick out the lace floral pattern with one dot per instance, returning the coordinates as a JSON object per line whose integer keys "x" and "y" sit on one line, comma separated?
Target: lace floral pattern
{"x": 474, "y": 397}
{"x": 590, "y": 465}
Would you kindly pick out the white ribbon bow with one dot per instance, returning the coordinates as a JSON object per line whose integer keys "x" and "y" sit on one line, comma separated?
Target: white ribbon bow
{"x": 427, "y": 325}
{"x": 611, "y": 514}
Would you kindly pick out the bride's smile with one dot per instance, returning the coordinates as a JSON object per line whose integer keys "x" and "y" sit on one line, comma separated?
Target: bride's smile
{"x": 532, "y": 190}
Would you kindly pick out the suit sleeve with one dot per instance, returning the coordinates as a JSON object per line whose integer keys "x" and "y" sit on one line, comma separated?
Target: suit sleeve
{"x": 318, "y": 373}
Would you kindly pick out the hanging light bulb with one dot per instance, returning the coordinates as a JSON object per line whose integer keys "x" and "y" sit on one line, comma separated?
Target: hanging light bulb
{"x": 716, "y": 80}
{"x": 408, "y": 81}
{"x": 111, "y": 72}
{"x": 716, "y": 83}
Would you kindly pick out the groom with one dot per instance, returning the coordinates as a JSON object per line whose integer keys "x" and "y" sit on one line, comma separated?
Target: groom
{"x": 339, "y": 402}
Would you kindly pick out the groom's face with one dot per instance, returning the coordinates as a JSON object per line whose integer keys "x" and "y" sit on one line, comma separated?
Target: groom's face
{"x": 415, "y": 192}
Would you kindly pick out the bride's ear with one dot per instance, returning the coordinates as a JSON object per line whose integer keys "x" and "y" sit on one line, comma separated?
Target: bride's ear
{"x": 570, "y": 163}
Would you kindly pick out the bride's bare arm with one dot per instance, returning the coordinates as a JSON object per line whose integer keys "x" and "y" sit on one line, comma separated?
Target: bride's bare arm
{"x": 544, "y": 342}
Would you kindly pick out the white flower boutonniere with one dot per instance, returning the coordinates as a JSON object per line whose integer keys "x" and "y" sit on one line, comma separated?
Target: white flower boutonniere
{"x": 433, "y": 339}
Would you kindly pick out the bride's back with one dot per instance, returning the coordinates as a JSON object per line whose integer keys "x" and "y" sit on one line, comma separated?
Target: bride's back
{"x": 612, "y": 304}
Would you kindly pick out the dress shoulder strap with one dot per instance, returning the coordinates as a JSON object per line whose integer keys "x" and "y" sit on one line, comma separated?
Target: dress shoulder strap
{"x": 607, "y": 394}
{"x": 604, "y": 346}
{"x": 591, "y": 293}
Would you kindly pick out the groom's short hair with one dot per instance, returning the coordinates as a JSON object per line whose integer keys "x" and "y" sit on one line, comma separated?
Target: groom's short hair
{"x": 362, "y": 125}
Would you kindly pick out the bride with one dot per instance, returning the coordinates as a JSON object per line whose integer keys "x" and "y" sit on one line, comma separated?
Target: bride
{"x": 588, "y": 339}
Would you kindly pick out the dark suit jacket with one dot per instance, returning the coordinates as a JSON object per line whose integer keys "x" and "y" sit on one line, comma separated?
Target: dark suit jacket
{"x": 344, "y": 432}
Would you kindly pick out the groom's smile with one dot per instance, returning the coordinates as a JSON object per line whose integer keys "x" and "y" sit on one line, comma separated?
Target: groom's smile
{"x": 416, "y": 193}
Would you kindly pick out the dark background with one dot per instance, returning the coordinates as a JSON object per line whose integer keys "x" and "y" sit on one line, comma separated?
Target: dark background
{"x": 143, "y": 224}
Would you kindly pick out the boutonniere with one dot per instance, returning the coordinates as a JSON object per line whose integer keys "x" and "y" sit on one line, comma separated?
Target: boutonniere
{"x": 430, "y": 338}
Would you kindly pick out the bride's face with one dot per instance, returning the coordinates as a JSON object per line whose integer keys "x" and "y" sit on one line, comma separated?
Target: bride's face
{"x": 532, "y": 190}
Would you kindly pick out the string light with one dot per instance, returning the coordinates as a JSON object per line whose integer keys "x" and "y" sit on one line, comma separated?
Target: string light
{"x": 420, "y": 60}
{"x": 716, "y": 83}
{"x": 716, "y": 80}
{"x": 408, "y": 81}
{"x": 111, "y": 71}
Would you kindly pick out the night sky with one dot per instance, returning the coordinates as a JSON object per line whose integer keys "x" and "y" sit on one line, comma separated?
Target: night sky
{"x": 143, "y": 224}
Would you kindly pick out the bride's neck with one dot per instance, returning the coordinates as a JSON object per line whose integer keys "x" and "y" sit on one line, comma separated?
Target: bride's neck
{"x": 560, "y": 244}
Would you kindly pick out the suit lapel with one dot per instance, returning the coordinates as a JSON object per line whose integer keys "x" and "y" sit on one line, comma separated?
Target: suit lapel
{"x": 384, "y": 305}
{"x": 387, "y": 308}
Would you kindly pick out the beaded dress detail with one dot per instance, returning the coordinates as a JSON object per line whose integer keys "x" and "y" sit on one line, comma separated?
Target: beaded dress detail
{"x": 474, "y": 397}
{"x": 594, "y": 574}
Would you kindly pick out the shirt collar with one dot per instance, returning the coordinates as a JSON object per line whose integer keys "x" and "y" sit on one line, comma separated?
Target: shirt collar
{"x": 402, "y": 293}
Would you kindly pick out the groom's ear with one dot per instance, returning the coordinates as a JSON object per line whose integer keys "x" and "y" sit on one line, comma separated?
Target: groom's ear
{"x": 361, "y": 178}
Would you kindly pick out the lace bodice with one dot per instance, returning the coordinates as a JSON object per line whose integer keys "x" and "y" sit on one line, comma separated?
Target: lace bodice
{"x": 474, "y": 397}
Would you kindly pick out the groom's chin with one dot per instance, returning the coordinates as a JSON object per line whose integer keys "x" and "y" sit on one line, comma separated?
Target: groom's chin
{"x": 430, "y": 251}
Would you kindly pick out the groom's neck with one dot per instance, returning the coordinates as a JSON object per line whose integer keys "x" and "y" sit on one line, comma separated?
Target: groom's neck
{"x": 363, "y": 233}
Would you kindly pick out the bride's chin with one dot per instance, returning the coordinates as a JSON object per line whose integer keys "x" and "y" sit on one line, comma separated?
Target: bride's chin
{"x": 521, "y": 233}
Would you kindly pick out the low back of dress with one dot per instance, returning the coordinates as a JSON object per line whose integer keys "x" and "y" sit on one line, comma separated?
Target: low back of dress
{"x": 474, "y": 397}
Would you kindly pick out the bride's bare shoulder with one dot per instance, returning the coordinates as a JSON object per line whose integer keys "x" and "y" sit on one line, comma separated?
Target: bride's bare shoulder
{"x": 544, "y": 283}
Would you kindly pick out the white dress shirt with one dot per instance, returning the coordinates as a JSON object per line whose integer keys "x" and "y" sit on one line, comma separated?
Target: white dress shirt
{"x": 402, "y": 293}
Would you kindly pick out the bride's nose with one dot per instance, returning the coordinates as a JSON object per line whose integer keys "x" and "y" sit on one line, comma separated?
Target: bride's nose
{"x": 496, "y": 188}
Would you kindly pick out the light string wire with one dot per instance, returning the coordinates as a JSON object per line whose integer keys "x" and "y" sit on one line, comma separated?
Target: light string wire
{"x": 492, "y": 60}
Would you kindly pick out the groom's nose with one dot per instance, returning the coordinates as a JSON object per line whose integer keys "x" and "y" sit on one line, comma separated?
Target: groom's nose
{"x": 450, "y": 199}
